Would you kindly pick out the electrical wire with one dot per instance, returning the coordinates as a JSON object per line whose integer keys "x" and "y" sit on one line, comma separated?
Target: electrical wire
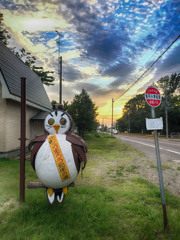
{"x": 148, "y": 68}
{"x": 145, "y": 72}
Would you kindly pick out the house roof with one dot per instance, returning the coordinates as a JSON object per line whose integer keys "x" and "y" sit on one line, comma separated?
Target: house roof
{"x": 40, "y": 116}
{"x": 12, "y": 69}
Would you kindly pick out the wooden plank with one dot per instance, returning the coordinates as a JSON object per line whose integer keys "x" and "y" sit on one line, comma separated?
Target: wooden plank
{"x": 32, "y": 185}
{"x": 35, "y": 185}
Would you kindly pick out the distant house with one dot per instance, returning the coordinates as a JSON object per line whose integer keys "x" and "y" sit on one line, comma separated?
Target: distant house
{"x": 38, "y": 104}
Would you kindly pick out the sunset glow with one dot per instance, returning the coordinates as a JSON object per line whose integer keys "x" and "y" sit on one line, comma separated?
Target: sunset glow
{"x": 106, "y": 45}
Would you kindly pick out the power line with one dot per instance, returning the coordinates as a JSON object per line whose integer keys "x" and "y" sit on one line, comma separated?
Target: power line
{"x": 144, "y": 72}
{"x": 172, "y": 29}
{"x": 148, "y": 68}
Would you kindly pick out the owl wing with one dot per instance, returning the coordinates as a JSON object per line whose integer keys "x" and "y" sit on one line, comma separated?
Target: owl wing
{"x": 34, "y": 147}
{"x": 79, "y": 149}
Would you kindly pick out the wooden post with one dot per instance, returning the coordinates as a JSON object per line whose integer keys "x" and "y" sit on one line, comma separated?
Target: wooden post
{"x": 23, "y": 140}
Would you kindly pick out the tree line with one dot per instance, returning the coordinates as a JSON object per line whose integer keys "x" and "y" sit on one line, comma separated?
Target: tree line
{"x": 136, "y": 109}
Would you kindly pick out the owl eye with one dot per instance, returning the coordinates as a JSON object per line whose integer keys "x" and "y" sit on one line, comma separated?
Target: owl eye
{"x": 51, "y": 121}
{"x": 63, "y": 121}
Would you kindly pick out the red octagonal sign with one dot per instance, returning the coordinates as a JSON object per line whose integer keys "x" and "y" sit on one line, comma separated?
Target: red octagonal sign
{"x": 153, "y": 96}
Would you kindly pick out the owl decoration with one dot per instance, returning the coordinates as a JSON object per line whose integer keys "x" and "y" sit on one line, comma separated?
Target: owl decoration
{"x": 57, "y": 155}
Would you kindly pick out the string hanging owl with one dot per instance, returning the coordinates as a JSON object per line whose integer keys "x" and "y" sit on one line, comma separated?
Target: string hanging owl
{"x": 56, "y": 156}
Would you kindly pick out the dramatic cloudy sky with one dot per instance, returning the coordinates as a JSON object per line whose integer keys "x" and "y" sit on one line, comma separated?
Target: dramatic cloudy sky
{"x": 106, "y": 45}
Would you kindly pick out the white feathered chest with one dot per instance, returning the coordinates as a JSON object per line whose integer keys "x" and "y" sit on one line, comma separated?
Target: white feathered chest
{"x": 52, "y": 170}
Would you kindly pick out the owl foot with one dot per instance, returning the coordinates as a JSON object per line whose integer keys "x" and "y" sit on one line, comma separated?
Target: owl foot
{"x": 60, "y": 198}
{"x": 61, "y": 195}
{"x": 50, "y": 195}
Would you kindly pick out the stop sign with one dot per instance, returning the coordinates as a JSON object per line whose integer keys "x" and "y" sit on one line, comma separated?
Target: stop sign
{"x": 153, "y": 96}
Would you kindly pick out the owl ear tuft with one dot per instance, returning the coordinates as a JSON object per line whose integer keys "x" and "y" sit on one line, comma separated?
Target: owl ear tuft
{"x": 57, "y": 107}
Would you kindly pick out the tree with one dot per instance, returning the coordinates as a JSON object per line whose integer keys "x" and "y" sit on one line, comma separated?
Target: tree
{"x": 103, "y": 128}
{"x": 44, "y": 75}
{"x": 83, "y": 112}
{"x": 4, "y": 36}
{"x": 30, "y": 61}
{"x": 136, "y": 109}
{"x": 122, "y": 124}
{"x": 134, "y": 113}
{"x": 169, "y": 84}
{"x": 65, "y": 105}
{"x": 53, "y": 102}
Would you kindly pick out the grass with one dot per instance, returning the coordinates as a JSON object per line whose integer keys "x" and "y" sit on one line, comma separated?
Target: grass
{"x": 164, "y": 167}
{"x": 109, "y": 202}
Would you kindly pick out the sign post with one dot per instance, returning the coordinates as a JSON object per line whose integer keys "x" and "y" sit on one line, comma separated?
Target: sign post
{"x": 153, "y": 98}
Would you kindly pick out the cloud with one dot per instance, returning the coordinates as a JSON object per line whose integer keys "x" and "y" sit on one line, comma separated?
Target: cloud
{"x": 104, "y": 43}
{"x": 93, "y": 37}
{"x": 90, "y": 88}
{"x": 105, "y": 46}
{"x": 21, "y": 6}
{"x": 171, "y": 62}
{"x": 71, "y": 73}
{"x": 119, "y": 69}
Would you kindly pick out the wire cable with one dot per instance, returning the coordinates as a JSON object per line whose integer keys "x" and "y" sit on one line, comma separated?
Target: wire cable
{"x": 148, "y": 68}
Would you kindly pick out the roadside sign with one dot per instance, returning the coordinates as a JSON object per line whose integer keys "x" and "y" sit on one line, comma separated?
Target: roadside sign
{"x": 154, "y": 123}
{"x": 153, "y": 96}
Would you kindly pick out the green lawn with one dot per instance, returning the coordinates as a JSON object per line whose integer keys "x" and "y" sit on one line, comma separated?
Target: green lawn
{"x": 110, "y": 201}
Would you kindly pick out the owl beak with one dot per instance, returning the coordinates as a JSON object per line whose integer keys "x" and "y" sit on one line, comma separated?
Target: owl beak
{"x": 56, "y": 127}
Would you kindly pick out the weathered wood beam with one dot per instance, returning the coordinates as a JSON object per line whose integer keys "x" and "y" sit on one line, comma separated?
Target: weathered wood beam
{"x": 32, "y": 185}
{"x": 35, "y": 185}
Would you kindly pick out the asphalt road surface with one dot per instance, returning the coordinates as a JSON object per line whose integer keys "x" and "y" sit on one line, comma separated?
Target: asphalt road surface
{"x": 169, "y": 148}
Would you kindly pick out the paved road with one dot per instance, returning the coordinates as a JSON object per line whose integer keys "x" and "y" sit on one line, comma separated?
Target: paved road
{"x": 169, "y": 149}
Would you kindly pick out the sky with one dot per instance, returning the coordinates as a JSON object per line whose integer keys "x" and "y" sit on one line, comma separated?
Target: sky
{"x": 106, "y": 45}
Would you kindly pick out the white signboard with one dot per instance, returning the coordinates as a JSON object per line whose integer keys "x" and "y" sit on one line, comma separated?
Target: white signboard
{"x": 154, "y": 123}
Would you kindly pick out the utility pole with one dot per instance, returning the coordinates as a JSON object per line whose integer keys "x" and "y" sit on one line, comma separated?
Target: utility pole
{"x": 60, "y": 69}
{"x": 129, "y": 123}
{"x": 112, "y": 118}
{"x": 166, "y": 113}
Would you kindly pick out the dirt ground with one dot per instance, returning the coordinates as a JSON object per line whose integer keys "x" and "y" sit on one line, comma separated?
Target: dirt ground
{"x": 147, "y": 169}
